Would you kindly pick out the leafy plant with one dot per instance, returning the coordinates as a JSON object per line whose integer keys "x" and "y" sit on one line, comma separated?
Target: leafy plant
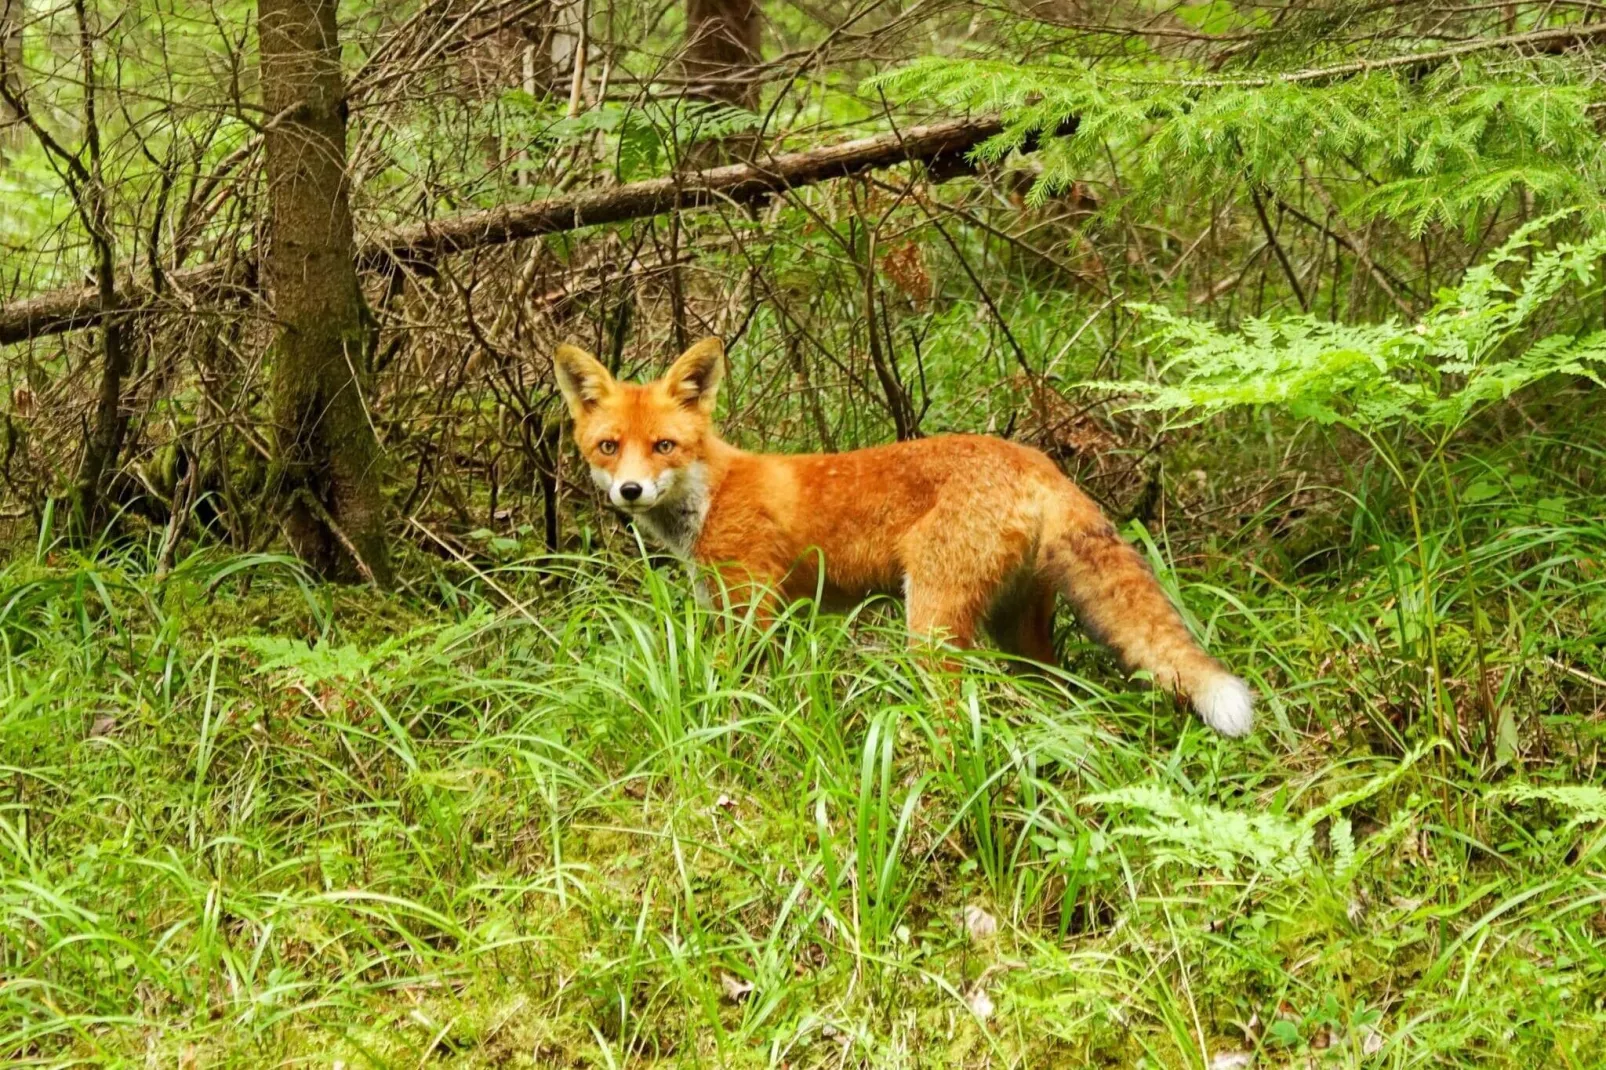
{"x": 1478, "y": 345}
{"x": 1585, "y": 802}
{"x": 1445, "y": 146}
{"x": 1471, "y": 350}
{"x": 1199, "y": 833}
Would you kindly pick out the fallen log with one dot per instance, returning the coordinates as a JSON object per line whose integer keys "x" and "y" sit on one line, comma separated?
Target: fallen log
{"x": 942, "y": 144}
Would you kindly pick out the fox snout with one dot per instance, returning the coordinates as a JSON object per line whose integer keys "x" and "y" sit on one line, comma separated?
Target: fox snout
{"x": 632, "y": 491}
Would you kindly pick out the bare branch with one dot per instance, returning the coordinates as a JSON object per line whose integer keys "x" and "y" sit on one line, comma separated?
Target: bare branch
{"x": 74, "y": 309}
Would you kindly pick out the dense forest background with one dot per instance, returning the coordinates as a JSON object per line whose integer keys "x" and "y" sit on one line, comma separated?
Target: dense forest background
{"x": 341, "y": 724}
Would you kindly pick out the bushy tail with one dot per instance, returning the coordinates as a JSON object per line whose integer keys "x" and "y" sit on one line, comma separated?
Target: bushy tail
{"x": 1119, "y": 602}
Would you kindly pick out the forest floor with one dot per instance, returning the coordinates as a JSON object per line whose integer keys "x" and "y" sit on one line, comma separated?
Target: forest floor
{"x": 548, "y": 812}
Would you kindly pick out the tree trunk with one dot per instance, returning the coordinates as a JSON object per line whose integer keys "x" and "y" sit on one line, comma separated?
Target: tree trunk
{"x": 327, "y": 456}
{"x": 722, "y": 48}
{"x": 721, "y": 51}
{"x": 11, "y": 126}
{"x": 104, "y": 440}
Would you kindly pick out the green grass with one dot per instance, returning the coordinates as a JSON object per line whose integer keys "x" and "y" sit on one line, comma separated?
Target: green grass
{"x": 246, "y": 820}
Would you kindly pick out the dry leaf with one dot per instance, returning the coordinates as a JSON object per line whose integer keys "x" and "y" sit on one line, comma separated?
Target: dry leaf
{"x": 978, "y": 923}
{"x": 735, "y": 988}
{"x": 980, "y": 1003}
{"x": 1232, "y": 1060}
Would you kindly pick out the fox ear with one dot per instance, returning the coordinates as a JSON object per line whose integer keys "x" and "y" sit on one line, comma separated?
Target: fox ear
{"x": 693, "y": 380}
{"x": 581, "y": 378}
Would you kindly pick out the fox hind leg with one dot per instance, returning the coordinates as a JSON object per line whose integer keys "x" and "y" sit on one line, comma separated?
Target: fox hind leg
{"x": 1024, "y": 626}
{"x": 950, "y": 588}
{"x": 939, "y": 614}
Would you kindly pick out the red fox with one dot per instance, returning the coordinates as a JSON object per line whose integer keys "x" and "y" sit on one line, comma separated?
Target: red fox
{"x": 977, "y": 532}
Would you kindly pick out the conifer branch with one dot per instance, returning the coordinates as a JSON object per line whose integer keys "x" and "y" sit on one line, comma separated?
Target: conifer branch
{"x": 1552, "y": 41}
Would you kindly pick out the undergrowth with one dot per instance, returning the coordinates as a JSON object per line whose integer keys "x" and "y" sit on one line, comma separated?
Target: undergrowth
{"x": 554, "y": 813}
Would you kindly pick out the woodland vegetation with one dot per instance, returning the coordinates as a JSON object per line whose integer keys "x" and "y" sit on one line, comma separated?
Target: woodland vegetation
{"x": 342, "y": 724}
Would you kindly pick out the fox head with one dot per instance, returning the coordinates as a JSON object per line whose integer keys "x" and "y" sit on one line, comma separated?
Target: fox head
{"x": 644, "y": 442}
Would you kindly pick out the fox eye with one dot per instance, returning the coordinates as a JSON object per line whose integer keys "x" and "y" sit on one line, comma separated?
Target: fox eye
{"x": 664, "y": 445}
{"x": 608, "y": 447}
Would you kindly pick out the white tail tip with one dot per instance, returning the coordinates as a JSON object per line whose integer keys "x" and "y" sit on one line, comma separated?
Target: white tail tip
{"x": 1227, "y": 705}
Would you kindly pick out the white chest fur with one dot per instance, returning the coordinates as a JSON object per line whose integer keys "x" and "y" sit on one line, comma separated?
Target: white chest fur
{"x": 676, "y": 523}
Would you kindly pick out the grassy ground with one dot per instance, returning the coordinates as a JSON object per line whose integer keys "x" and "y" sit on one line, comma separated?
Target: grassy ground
{"x": 249, "y": 821}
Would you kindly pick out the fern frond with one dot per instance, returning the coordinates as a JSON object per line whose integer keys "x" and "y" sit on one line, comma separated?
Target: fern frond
{"x": 1208, "y": 836}
{"x": 1586, "y": 802}
{"x": 1467, "y": 353}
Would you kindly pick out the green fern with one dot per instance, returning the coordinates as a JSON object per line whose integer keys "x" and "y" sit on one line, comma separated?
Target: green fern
{"x": 1341, "y": 837}
{"x": 395, "y": 658}
{"x": 1203, "y": 835}
{"x": 1586, "y": 802}
{"x": 1465, "y": 354}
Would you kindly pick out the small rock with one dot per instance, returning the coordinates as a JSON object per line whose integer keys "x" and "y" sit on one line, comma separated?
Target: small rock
{"x": 841, "y": 1036}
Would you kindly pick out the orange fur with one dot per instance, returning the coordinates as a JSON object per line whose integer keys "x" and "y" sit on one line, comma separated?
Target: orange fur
{"x": 976, "y": 532}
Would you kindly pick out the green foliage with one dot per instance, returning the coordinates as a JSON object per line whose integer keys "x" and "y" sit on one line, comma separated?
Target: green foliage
{"x": 438, "y": 829}
{"x": 1442, "y": 148}
{"x": 308, "y": 665}
{"x": 1585, "y": 802}
{"x": 1474, "y": 348}
{"x": 1201, "y": 834}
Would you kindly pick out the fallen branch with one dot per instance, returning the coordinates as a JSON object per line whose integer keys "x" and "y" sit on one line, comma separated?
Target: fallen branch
{"x": 743, "y": 183}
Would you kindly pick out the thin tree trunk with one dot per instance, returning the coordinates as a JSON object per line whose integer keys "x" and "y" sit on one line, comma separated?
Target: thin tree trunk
{"x": 722, "y": 48}
{"x": 11, "y": 125}
{"x": 105, "y": 439}
{"x": 327, "y": 455}
{"x": 86, "y": 184}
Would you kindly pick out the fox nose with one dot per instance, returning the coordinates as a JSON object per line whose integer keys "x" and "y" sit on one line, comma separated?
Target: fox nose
{"x": 630, "y": 491}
